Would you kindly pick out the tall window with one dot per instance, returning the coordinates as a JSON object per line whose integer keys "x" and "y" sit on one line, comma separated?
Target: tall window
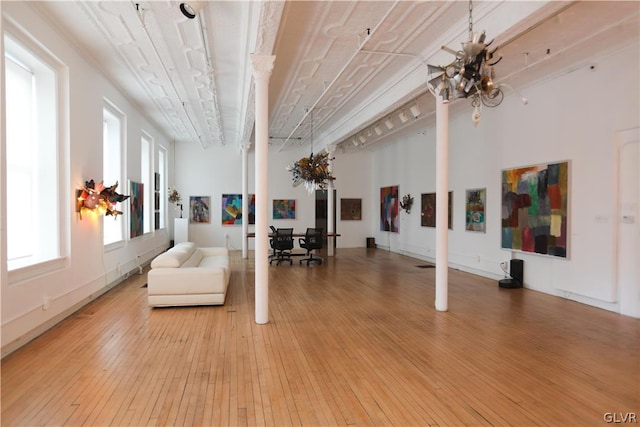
{"x": 145, "y": 171}
{"x": 112, "y": 143}
{"x": 33, "y": 159}
{"x": 162, "y": 170}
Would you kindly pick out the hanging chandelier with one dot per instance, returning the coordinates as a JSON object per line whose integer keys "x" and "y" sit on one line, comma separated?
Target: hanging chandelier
{"x": 313, "y": 171}
{"x": 471, "y": 74}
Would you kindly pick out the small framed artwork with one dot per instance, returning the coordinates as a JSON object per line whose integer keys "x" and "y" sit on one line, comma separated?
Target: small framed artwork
{"x": 199, "y": 209}
{"x": 351, "y": 209}
{"x": 475, "y": 200}
{"x": 284, "y": 209}
{"x": 428, "y": 210}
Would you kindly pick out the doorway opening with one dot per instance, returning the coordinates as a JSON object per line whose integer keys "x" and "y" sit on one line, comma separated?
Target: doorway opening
{"x": 322, "y": 217}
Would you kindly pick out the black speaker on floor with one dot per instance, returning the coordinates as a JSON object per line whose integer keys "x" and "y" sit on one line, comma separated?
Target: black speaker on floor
{"x": 516, "y": 270}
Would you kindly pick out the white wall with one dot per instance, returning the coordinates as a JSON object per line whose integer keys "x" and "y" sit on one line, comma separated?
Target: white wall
{"x": 218, "y": 170}
{"x": 573, "y": 117}
{"x": 90, "y": 270}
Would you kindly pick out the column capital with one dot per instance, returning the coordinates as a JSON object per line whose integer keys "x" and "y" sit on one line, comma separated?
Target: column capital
{"x": 262, "y": 65}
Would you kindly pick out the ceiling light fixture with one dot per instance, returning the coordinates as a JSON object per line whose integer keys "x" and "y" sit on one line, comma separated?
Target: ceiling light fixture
{"x": 471, "y": 74}
{"x": 312, "y": 171}
{"x": 190, "y": 10}
{"x": 388, "y": 123}
{"x": 415, "y": 111}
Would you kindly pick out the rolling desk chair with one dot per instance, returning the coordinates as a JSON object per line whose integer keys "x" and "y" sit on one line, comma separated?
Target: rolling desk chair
{"x": 271, "y": 243}
{"x": 282, "y": 244}
{"x": 312, "y": 241}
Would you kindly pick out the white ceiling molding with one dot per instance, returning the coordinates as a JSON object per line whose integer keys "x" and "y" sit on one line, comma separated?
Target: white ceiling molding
{"x": 199, "y": 85}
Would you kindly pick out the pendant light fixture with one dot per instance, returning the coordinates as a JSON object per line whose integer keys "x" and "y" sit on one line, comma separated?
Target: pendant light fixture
{"x": 471, "y": 74}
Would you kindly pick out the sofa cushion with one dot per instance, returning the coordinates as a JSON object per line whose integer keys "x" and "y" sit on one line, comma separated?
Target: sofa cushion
{"x": 215, "y": 261}
{"x": 194, "y": 260}
{"x": 175, "y": 256}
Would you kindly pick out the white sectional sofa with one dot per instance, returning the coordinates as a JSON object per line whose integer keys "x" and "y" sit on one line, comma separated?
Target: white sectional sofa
{"x": 186, "y": 275}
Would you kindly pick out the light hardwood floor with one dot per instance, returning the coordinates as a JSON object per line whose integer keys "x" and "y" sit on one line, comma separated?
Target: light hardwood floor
{"x": 355, "y": 341}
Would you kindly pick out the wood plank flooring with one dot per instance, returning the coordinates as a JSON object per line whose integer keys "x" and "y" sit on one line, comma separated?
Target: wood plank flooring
{"x": 355, "y": 341}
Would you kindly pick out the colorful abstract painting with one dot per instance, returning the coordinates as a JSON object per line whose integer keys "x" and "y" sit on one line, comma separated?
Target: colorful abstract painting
{"x": 232, "y": 209}
{"x": 284, "y": 209}
{"x": 475, "y": 200}
{"x": 389, "y": 204}
{"x": 199, "y": 209}
{"x": 350, "y": 209}
{"x": 428, "y": 210}
{"x": 136, "y": 203}
{"x": 534, "y": 209}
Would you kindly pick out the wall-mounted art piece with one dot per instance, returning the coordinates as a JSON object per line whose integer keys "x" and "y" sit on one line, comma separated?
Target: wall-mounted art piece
{"x": 232, "y": 209}
{"x": 428, "y": 210}
{"x": 284, "y": 209}
{"x": 389, "y": 208}
{"x": 535, "y": 202}
{"x": 350, "y": 209}
{"x": 475, "y": 201}
{"x": 199, "y": 209}
{"x": 252, "y": 208}
{"x": 156, "y": 201}
{"x": 136, "y": 203}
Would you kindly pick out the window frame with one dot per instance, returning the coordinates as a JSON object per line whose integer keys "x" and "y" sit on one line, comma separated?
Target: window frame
{"x": 163, "y": 168}
{"x": 120, "y": 116}
{"x": 59, "y": 90}
{"x": 148, "y": 181}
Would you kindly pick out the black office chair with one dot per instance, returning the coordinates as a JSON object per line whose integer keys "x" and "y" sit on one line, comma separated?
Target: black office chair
{"x": 311, "y": 241}
{"x": 271, "y": 243}
{"x": 283, "y": 244}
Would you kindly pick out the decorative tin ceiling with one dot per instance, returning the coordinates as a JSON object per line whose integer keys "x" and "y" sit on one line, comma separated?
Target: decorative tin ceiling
{"x": 352, "y": 63}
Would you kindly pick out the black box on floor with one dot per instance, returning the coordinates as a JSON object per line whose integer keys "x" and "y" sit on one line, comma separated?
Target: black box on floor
{"x": 509, "y": 283}
{"x": 516, "y": 271}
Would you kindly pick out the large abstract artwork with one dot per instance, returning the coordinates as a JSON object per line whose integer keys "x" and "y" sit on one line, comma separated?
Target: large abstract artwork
{"x": 199, "y": 209}
{"x": 534, "y": 209}
{"x": 284, "y": 209}
{"x": 428, "y": 210}
{"x": 389, "y": 219}
{"x": 475, "y": 200}
{"x": 137, "y": 209}
{"x": 232, "y": 209}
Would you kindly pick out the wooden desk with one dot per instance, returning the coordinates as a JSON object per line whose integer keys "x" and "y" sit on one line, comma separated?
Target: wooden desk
{"x": 330, "y": 251}
{"x": 250, "y": 235}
